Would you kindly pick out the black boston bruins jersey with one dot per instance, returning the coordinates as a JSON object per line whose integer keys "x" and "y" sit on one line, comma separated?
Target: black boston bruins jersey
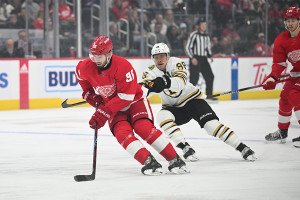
{"x": 180, "y": 91}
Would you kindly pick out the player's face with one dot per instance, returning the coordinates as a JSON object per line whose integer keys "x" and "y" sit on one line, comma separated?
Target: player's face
{"x": 100, "y": 60}
{"x": 161, "y": 61}
{"x": 292, "y": 24}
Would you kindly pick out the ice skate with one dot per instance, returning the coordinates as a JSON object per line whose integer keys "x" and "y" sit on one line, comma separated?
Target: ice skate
{"x": 177, "y": 166}
{"x": 246, "y": 152}
{"x": 278, "y": 137}
{"x": 152, "y": 167}
{"x": 190, "y": 154}
{"x": 296, "y": 142}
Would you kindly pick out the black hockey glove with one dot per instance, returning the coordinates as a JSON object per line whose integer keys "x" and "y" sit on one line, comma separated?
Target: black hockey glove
{"x": 159, "y": 84}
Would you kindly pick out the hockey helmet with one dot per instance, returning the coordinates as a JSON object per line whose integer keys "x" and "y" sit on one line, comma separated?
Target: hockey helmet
{"x": 101, "y": 45}
{"x": 160, "y": 48}
{"x": 292, "y": 12}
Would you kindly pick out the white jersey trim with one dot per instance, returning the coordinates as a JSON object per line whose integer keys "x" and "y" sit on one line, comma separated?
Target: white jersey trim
{"x": 128, "y": 97}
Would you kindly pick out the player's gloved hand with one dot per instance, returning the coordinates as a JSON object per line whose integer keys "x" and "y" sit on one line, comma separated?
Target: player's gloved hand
{"x": 144, "y": 85}
{"x": 269, "y": 83}
{"x": 101, "y": 115}
{"x": 91, "y": 97}
{"x": 159, "y": 84}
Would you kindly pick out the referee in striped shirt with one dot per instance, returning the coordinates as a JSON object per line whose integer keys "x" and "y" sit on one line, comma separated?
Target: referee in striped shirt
{"x": 198, "y": 49}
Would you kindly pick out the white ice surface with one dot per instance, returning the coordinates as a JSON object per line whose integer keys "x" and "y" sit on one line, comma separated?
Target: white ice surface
{"x": 42, "y": 150}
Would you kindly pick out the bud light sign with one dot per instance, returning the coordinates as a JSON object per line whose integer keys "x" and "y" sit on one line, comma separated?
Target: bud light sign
{"x": 61, "y": 79}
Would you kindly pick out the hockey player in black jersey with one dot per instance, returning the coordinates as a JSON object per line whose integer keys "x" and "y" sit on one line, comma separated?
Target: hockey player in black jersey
{"x": 182, "y": 101}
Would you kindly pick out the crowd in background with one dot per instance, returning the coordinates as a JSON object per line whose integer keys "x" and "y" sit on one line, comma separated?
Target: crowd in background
{"x": 236, "y": 27}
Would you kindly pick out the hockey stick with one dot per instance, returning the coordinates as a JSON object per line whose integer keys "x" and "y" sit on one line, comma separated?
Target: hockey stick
{"x": 66, "y": 105}
{"x": 243, "y": 89}
{"x": 91, "y": 177}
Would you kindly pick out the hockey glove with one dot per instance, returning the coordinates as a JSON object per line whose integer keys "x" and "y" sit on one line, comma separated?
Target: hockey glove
{"x": 101, "y": 115}
{"x": 92, "y": 98}
{"x": 159, "y": 84}
{"x": 269, "y": 83}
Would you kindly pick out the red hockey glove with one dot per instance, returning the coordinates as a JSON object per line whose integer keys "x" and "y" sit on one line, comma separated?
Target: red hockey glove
{"x": 92, "y": 98}
{"x": 269, "y": 83}
{"x": 101, "y": 115}
{"x": 159, "y": 84}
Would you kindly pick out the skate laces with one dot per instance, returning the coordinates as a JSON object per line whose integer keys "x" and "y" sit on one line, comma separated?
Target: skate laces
{"x": 186, "y": 149}
{"x": 245, "y": 150}
{"x": 148, "y": 160}
{"x": 276, "y": 134}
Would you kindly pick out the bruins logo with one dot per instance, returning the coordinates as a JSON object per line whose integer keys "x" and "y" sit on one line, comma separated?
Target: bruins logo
{"x": 151, "y": 67}
{"x": 172, "y": 94}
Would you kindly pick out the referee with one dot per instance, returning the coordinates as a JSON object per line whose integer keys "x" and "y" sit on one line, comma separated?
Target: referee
{"x": 198, "y": 49}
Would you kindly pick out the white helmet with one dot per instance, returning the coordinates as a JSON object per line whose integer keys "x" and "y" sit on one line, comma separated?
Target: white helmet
{"x": 160, "y": 48}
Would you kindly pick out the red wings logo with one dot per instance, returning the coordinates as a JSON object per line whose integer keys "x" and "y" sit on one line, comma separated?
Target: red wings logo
{"x": 106, "y": 90}
{"x": 294, "y": 56}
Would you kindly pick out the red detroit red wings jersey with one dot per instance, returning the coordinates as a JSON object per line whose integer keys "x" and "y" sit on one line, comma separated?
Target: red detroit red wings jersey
{"x": 117, "y": 85}
{"x": 286, "y": 47}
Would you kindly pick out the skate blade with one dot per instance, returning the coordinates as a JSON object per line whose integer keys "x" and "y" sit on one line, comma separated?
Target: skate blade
{"x": 212, "y": 101}
{"x": 251, "y": 158}
{"x": 282, "y": 141}
{"x": 157, "y": 172}
{"x": 192, "y": 158}
{"x": 296, "y": 144}
{"x": 182, "y": 170}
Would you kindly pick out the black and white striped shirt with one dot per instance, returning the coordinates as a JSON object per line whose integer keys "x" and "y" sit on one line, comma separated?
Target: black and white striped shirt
{"x": 198, "y": 44}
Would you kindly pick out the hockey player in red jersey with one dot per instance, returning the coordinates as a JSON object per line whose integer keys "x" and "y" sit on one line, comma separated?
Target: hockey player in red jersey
{"x": 286, "y": 46}
{"x": 121, "y": 101}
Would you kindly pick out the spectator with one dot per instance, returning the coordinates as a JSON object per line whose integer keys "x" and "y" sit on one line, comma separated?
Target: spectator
{"x": 119, "y": 47}
{"x": 32, "y": 8}
{"x": 255, "y": 14}
{"x": 13, "y": 22}
{"x": 231, "y": 34}
{"x": 65, "y": 13}
{"x": 22, "y": 19}
{"x": 160, "y": 37}
{"x": 14, "y": 7}
{"x": 119, "y": 10}
{"x": 134, "y": 27}
{"x": 39, "y": 21}
{"x": 221, "y": 48}
{"x": 275, "y": 13}
{"x": 3, "y": 14}
{"x": 183, "y": 33}
{"x": 21, "y": 45}
{"x": 42, "y": 6}
{"x": 224, "y": 11}
{"x": 8, "y": 51}
{"x": 175, "y": 40}
{"x": 158, "y": 19}
{"x": 259, "y": 48}
{"x": 152, "y": 7}
{"x": 169, "y": 19}
{"x": 146, "y": 24}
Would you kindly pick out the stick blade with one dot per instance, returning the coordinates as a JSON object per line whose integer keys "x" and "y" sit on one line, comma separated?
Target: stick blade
{"x": 80, "y": 178}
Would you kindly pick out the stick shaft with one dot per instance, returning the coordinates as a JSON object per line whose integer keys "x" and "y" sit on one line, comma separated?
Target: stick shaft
{"x": 243, "y": 89}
